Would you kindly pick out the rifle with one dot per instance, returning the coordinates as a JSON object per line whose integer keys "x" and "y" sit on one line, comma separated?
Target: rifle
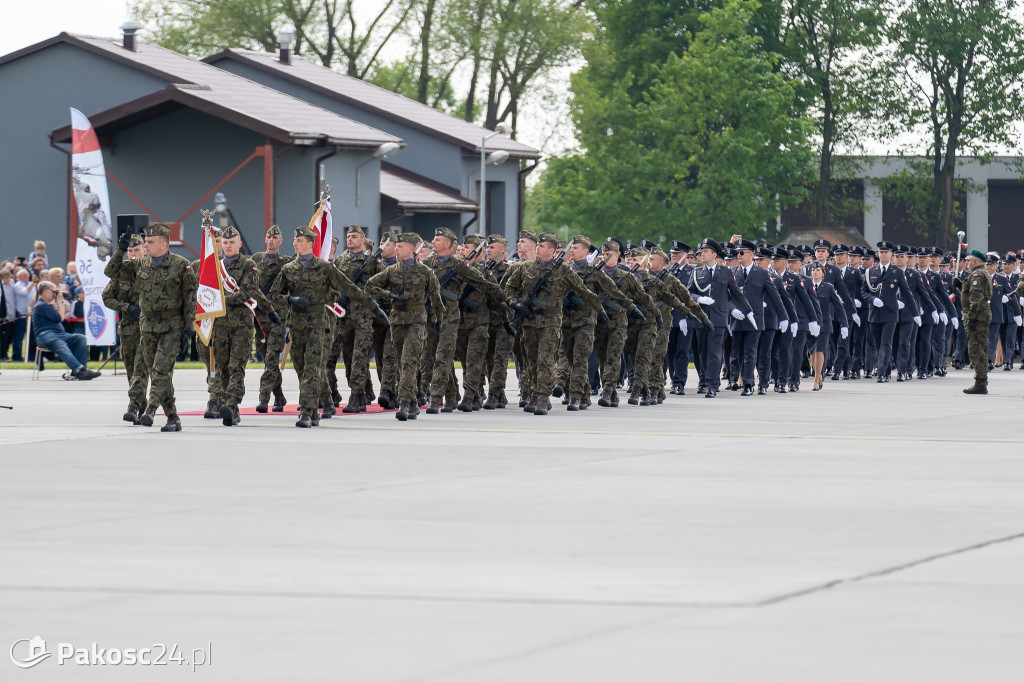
{"x": 571, "y": 301}
{"x": 378, "y": 312}
{"x": 524, "y": 306}
{"x": 453, "y": 272}
{"x": 464, "y": 300}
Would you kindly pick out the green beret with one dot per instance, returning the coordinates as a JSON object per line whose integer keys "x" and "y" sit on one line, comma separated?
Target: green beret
{"x": 979, "y": 255}
{"x": 229, "y": 232}
{"x": 157, "y": 230}
{"x": 496, "y": 238}
{"x": 409, "y": 238}
{"x": 355, "y": 228}
{"x": 581, "y": 239}
{"x": 527, "y": 234}
{"x": 446, "y": 232}
{"x": 305, "y": 231}
{"x": 548, "y": 237}
{"x": 612, "y": 244}
{"x": 473, "y": 239}
{"x": 388, "y": 236}
{"x": 274, "y": 230}
{"x": 334, "y": 240}
{"x": 136, "y": 240}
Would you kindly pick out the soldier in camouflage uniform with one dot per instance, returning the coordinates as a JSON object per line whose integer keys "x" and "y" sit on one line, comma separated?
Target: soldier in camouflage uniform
{"x": 526, "y": 249}
{"x": 383, "y": 348}
{"x": 499, "y": 343}
{"x": 579, "y": 323}
{"x": 410, "y": 285}
{"x": 448, "y": 266}
{"x": 306, "y": 284}
{"x": 166, "y": 286}
{"x": 231, "y": 339}
{"x": 471, "y": 345}
{"x": 356, "y": 328}
{"x": 330, "y": 398}
{"x": 975, "y": 293}
{"x": 119, "y": 295}
{"x": 542, "y": 323}
{"x": 610, "y": 337}
{"x": 270, "y": 343}
{"x": 642, "y": 332}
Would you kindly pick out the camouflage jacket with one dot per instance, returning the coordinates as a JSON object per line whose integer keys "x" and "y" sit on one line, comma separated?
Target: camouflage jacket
{"x": 118, "y": 295}
{"x": 630, "y": 286}
{"x": 268, "y": 270}
{"x": 497, "y": 275}
{"x": 522, "y": 280}
{"x": 602, "y": 285}
{"x": 668, "y": 293}
{"x": 475, "y": 305}
{"x": 349, "y": 263}
{"x": 316, "y": 283}
{"x": 246, "y": 276}
{"x": 413, "y": 287}
{"x": 975, "y": 295}
{"x": 166, "y": 291}
{"x": 464, "y": 275}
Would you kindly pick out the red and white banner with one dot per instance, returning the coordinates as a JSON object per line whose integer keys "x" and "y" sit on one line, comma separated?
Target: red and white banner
{"x": 322, "y": 225}
{"x": 210, "y": 294}
{"x": 94, "y": 245}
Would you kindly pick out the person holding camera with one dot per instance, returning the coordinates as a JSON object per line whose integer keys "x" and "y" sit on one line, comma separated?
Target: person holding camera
{"x": 47, "y": 319}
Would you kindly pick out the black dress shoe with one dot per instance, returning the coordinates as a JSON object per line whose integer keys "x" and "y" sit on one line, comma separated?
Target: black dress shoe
{"x": 711, "y": 393}
{"x": 780, "y": 389}
{"x": 701, "y": 390}
{"x": 748, "y": 390}
{"x": 761, "y": 391}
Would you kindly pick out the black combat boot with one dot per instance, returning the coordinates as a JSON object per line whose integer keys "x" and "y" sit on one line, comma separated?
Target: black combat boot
{"x": 634, "y": 397}
{"x": 402, "y": 413}
{"x": 542, "y": 407}
{"x": 173, "y": 424}
{"x": 585, "y": 403}
{"x": 449, "y": 405}
{"x": 132, "y": 415}
{"x": 523, "y": 399}
{"x": 304, "y": 421}
{"x": 414, "y": 410}
{"x": 977, "y": 389}
{"x": 434, "y": 407}
{"x": 606, "y": 399}
{"x": 478, "y": 402}
{"x": 645, "y": 397}
{"x": 502, "y": 400}
{"x": 492, "y": 403}
{"x": 335, "y": 396}
{"x": 212, "y": 410}
{"x": 227, "y": 415}
{"x": 355, "y": 402}
{"x": 263, "y": 405}
{"x": 370, "y": 396}
{"x": 615, "y": 398}
{"x": 279, "y": 401}
{"x": 574, "y": 405}
{"x": 531, "y": 404}
{"x": 314, "y": 417}
{"x": 329, "y": 411}
{"x": 147, "y": 418}
{"x": 466, "y": 405}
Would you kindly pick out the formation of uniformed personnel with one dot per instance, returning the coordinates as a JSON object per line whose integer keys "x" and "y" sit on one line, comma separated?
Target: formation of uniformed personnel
{"x": 120, "y": 296}
{"x": 271, "y": 336}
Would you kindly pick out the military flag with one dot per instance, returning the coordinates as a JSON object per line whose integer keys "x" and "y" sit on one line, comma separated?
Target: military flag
{"x": 210, "y": 294}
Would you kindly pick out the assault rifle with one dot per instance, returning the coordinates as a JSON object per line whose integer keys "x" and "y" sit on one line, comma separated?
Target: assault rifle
{"x": 378, "y": 312}
{"x": 524, "y": 307}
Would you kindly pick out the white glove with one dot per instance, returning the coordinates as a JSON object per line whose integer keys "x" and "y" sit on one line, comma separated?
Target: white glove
{"x": 682, "y": 326}
{"x": 1020, "y": 300}
{"x": 844, "y": 332}
{"x": 764, "y": 304}
{"x": 1006, "y": 299}
{"x": 813, "y": 328}
{"x": 1018, "y": 320}
{"x": 917, "y": 320}
{"x": 956, "y": 323}
{"x": 750, "y": 317}
{"x": 856, "y": 319}
{"x": 857, "y": 303}
{"x": 705, "y": 300}
{"x": 737, "y": 314}
{"x": 901, "y": 304}
{"x": 795, "y": 329}
{"x": 944, "y": 317}
{"x": 783, "y": 326}
{"x": 878, "y": 303}
{"x": 920, "y": 311}
{"x": 935, "y": 317}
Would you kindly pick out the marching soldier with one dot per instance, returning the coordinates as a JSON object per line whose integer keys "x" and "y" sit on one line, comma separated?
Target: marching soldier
{"x": 271, "y": 341}
{"x": 119, "y": 295}
{"x": 499, "y": 345}
{"x": 383, "y": 347}
{"x": 472, "y": 342}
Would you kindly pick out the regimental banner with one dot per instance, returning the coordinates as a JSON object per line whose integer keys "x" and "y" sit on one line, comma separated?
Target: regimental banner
{"x": 94, "y": 244}
{"x": 210, "y": 293}
{"x": 321, "y": 224}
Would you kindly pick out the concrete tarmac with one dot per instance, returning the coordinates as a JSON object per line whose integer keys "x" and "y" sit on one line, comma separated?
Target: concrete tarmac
{"x": 863, "y": 532}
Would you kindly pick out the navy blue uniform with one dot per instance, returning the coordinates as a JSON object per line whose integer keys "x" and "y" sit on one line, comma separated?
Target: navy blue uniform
{"x": 884, "y": 284}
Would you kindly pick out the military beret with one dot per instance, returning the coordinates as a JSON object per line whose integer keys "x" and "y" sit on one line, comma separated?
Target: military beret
{"x": 713, "y": 245}
{"x": 527, "y": 234}
{"x": 334, "y": 240}
{"x": 426, "y": 245}
{"x": 409, "y": 238}
{"x": 446, "y": 232}
{"x": 547, "y": 237}
{"x": 822, "y": 244}
{"x": 136, "y": 240}
{"x": 614, "y": 244}
{"x": 157, "y": 230}
{"x": 355, "y": 228}
{"x": 680, "y": 247}
{"x": 658, "y": 251}
{"x": 388, "y": 237}
{"x": 274, "y": 230}
{"x": 980, "y": 255}
{"x": 745, "y": 245}
{"x": 637, "y": 252}
{"x": 560, "y": 244}
{"x": 230, "y": 232}
{"x": 497, "y": 238}
{"x": 305, "y": 231}
{"x": 582, "y": 239}
{"x": 885, "y": 246}
{"x": 647, "y": 244}
{"x": 473, "y": 239}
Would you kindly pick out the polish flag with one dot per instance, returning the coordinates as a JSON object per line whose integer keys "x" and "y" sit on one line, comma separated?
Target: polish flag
{"x": 321, "y": 224}
{"x": 210, "y": 293}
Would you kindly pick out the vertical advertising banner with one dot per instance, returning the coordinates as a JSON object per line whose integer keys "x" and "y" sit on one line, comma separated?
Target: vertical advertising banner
{"x": 95, "y": 242}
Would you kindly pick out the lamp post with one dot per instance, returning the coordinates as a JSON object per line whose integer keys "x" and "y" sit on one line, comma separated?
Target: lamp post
{"x": 381, "y": 152}
{"x": 494, "y": 159}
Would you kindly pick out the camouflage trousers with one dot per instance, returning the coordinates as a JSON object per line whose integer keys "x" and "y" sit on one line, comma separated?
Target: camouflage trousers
{"x": 231, "y": 346}
{"x": 408, "y": 344}
{"x": 499, "y": 347}
{"x": 609, "y": 343}
{"x": 155, "y": 358}
{"x": 443, "y": 375}
{"x": 977, "y": 351}
{"x": 540, "y": 346}
{"x": 356, "y": 339}
{"x": 332, "y": 351}
{"x": 640, "y": 347}
{"x": 389, "y": 371}
{"x": 471, "y": 350}
{"x": 309, "y": 342}
{"x": 270, "y": 348}
{"x": 659, "y": 349}
{"x": 522, "y": 366}
{"x": 138, "y": 378}
{"x": 574, "y": 358}
{"x": 380, "y": 334}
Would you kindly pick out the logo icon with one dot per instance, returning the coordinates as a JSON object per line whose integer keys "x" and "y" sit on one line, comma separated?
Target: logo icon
{"x": 37, "y": 652}
{"x": 97, "y": 319}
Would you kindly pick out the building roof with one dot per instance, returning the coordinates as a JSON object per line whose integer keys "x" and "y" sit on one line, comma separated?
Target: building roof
{"x": 377, "y": 100}
{"x": 417, "y": 194}
{"x": 218, "y": 92}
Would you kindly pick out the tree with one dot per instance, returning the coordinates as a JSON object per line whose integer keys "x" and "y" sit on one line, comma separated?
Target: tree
{"x": 952, "y": 72}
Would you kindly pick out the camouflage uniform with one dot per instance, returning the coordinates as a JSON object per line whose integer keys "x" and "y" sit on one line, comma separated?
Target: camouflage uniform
{"x": 387, "y": 361}
{"x": 541, "y": 332}
{"x": 315, "y": 280}
{"x": 271, "y": 342}
{"x": 975, "y": 294}
{"x": 356, "y": 328}
{"x": 119, "y": 296}
{"x": 166, "y": 287}
{"x": 499, "y": 345}
{"x": 522, "y": 361}
{"x": 410, "y": 285}
{"x": 471, "y": 347}
{"x": 667, "y": 291}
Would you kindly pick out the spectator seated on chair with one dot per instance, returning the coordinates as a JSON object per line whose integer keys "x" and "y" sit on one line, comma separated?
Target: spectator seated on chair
{"x": 47, "y": 318}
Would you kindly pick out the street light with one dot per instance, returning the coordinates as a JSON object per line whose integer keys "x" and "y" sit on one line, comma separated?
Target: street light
{"x": 381, "y": 152}
{"x": 486, "y": 160}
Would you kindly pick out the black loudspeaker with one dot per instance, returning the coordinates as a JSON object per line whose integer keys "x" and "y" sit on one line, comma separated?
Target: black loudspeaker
{"x": 130, "y": 223}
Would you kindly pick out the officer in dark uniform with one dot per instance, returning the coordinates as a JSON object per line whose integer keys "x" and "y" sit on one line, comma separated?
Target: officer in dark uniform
{"x": 776, "y": 327}
{"x": 760, "y": 292}
{"x": 884, "y": 287}
{"x": 680, "y": 340}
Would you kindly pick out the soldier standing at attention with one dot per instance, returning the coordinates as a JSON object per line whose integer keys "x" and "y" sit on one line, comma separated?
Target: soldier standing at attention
{"x": 543, "y": 323}
{"x": 355, "y": 338}
{"x": 409, "y": 284}
{"x": 499, "y": 344}
{"x": 119, "y": 295}
{"x": 166, "y": 285}
{"x": 306, "y": 284}
{"x": 231, "y": 341}
{"x": 974, "y": 296}
{"x": 270, "y": 343}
